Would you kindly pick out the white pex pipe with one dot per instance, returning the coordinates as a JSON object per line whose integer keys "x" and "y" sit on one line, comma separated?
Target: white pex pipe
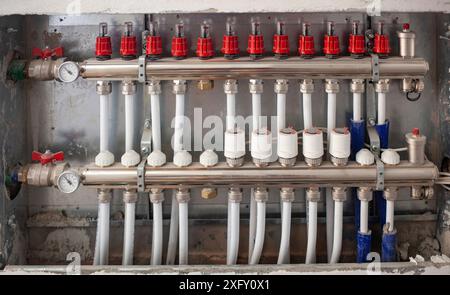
{"x": 312, "y": 233}
{"x": 156, "y": 121}
{"x": 256, "y": 111}
{"x": 256, "y": 122}
{"x": 233, "y": 245}
{"x": 231, "y": 111}
{"x": 173, "y": 232}
{"x": 103, "y": 224}
{"x": 283, "y": 255}
{"x": 364, "y": 217}
{"x": 183, "y": 226}
{"x": 331, "y": 124}
{"x": 252, "y": 225}
{"x": 129, "y": 121}
{"x": 281, "y": 111}
{"x": 337, "y": 234}
{"x": 104, "y": 131}
{"x": 128, "y": 239}
{"x": 381, "y": 108}
{"x": 260, "y": 232}
{"x": 390, "y": 215}
{"x": 157, "y": 235}
{"x": 357, "y": 100}
{"x": 179, "y": 123}
{"x": 307, "y": 111}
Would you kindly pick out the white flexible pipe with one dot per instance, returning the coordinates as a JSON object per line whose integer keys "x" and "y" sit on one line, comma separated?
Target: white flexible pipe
{"x": 256, "y": 111}
{"x": 129, "y": 122}
{"x": 104, "y": 112}
{"x": 312, "y": 233}
{"x": 252, "y": 225}
{"x": 173, "y": 232}
{"x": 390, "y": 215}
{"x": 103, "y": 223}
{"x": 128, "y": 237}
{"x": 260, "y": 232}
{"x": 234, "y": 233}
{"x": 337, "y": 233}
{"x": 357, "y": 106}
{"x": 183, "y": 226}
{"x": 331, "y": 124}
{"x": 307, "y": 111}
{"x": 331, "y": 115}
{"x": 156, "y": 121}
{"x": 281, "y": 111}
{"x": 97, "y": 240}
{"x": 231, "y": 111}
{"x": 157, "y": 234}
{"x": 283, "y": 255}
{"x": 364, "y": 217}
{"x": 179, "y": 123}
{"x": 381, "y": 108}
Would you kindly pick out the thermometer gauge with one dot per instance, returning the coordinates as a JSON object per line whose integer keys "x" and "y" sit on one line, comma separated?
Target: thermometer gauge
{"x": 68, "y": 182}
{"x": 68, "y": 71}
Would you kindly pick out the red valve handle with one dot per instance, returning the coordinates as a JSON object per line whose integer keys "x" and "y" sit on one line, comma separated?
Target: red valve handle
{"x": 47, "y": 52}
{"x": 47, "y": 157}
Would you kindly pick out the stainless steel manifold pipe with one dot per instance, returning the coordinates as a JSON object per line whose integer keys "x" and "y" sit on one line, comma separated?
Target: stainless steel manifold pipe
{"x": 300, "y": 175}
{"x": 220, "y": 68}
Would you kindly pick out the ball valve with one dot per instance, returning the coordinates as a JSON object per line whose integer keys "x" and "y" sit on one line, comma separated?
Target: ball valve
{"x": 128, "y": 41}
{"x": 179, "y": 43}
{"x": 205, "y": 49}
{"x": 331, "y": 42}
{"x": 356, "y": 42}
{"x": 47, "y": 53}
{"x": 255, "y": 42}
{"x": 306, "y": 43}
{"x": 153, "y": 43}
{"x": 103, "y": 49}
{"x": 47, "y": 157}
{"x": 230, "y": 43}
{"x": 381, "y": 42}
{"x": 280, "y": 42}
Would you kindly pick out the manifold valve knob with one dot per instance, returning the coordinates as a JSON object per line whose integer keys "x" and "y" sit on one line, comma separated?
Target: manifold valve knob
{"x": 104, "y": 159}
{"x": 182, "y": 158}
{"x": 130, "y": 158}
{"x": 340, "y": 143}
{"x": 390, "y": 157}
{"x": 156, "y": 159}
{"x": 365, "y": 157}
{"x": 209, "y": 158}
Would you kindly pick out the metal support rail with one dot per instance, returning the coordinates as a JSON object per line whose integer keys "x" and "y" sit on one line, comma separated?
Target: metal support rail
{"x": 327, "y": 175}
{"x": 219, "y": 68}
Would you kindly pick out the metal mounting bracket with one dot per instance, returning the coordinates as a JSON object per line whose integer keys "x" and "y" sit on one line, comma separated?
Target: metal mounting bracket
{"x": 142, "y": 61}
{"x": 146, "y": 147}
{"x": 375, "y": 149}
{"x": 375, "y": 68}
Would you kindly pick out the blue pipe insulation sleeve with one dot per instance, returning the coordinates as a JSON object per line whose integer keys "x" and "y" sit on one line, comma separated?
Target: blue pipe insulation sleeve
{"x": 357, "y": 135}
{"x": 389, "y": 246}
{"x": 383, "y": 133}
{"x": 363, "y": 246}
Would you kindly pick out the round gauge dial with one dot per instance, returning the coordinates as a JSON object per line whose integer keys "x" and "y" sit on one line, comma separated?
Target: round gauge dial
{"x": 68, "y": 71}
{"x": 68, "y": 182}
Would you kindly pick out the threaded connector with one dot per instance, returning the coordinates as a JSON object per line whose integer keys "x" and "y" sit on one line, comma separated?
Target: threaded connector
{"x": 183, "y": 195}
{"x": 153, "y": 87}
{"x": 235, "y": 195}
{"x": 130, "y": 196}
{"x": 128, "y": 87}
{"x": 179, "y": 87}
{"x": 287, "y": 194}
{"x": 261, "y": 194}
{"x": 103, "y": 87}
{"x": 339, "y": 194}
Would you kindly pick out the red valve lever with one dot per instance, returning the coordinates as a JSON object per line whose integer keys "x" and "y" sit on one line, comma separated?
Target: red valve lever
{"x": 306, "y": 43}
{"x": 381, "y": 42}
{"x": 280, "y": 42}
{"x": 230, "y": 43}
{"x": 47, "y": 157}
{"x": 47, "y": 52}
{"x": 416, "y": 132}
{"x": 255, "y": 42}
{"x": 179, "y": 48}
{"x": 153, "y": 47}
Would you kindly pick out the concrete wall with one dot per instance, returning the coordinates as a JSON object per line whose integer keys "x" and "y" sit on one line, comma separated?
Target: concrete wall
{"x": 213, "y": 6}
